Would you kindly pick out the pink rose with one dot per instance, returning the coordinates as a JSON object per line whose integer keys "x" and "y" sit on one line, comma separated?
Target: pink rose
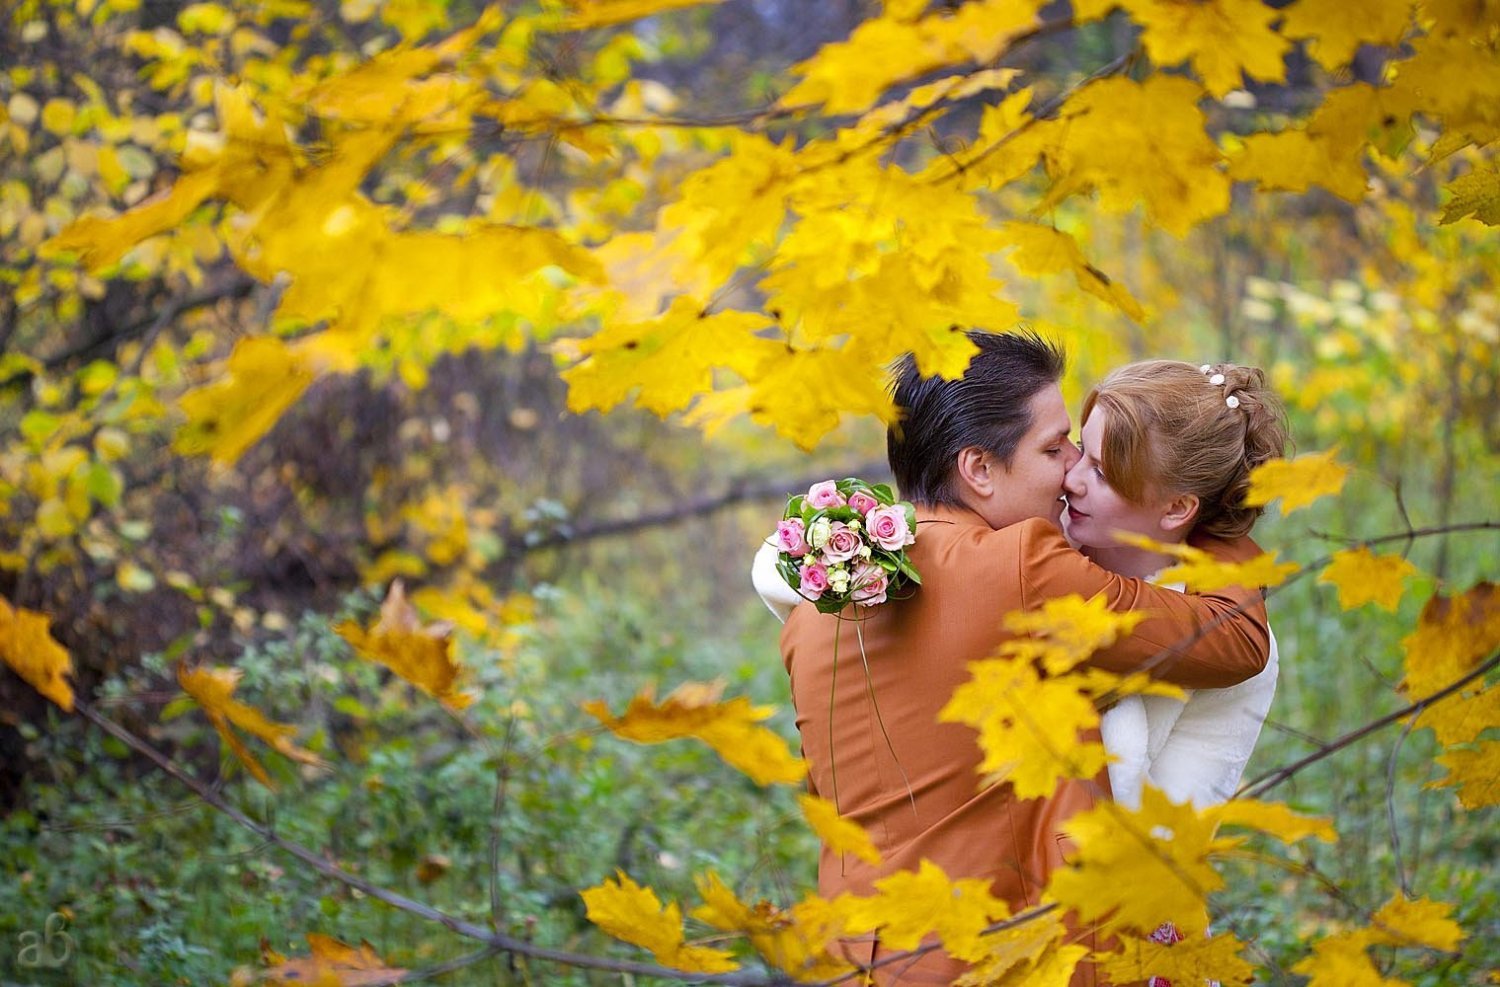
{"x": 863, "y": 502}
{"x": 842, "y": 545}
{"x": 789, "y": 538}
{"x": 869, "y": 582}
{"x": 887, "y": 526}
{"x": 825, "y": 494}
{"x": 814, "y": 580}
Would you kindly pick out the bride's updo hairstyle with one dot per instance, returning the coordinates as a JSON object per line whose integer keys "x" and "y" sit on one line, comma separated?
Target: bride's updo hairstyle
{"x": 1178, "y": 428}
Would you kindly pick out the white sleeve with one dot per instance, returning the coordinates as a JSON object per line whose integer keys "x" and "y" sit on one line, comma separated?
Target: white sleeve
{"x": 1124, "y": 730}
{"x": 774, "y": 591}
{"x": 1208, "y": 747}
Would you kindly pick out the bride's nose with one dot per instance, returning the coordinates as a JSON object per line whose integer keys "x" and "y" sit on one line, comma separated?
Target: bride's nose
{"x": 1073, "y": 479}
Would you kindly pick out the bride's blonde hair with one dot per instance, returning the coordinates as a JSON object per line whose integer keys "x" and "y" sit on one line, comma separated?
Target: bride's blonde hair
{"x": 1178, "y": 428}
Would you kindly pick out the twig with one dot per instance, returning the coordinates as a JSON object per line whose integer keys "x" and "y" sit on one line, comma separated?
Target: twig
{"x": 1263, "y": 784}
{"x": 493, "y": 939}
{"x": 1390, "y": 806}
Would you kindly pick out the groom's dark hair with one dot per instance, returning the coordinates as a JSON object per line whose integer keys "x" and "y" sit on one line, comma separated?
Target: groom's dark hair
{"x": 988, "y": 407}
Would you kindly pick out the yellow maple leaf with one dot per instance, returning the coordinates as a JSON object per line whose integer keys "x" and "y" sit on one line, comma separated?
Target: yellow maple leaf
{"x": 1416, "y": 922}
{"x": 422, "y": 655}
{"x": 1273, "y": 819}
{"x": 213, "y": 689}
{"x": 633, "y": 913}
{"x": 693, "y": 710}
{"x": 848, "y": 76}
{"x": 27, "y": 646}
{"x": 837, "y": 833}
{"x": 1201, "y": 572}
{"x": 1453, "y": 634}
{"x": 1340, "y": 961}
{"x": 667, "y": 361}
{"x": 1336, "y": 29}
{"x": 100, "y": 241}
{"x": 334, "y": 963}
{"x": 795, "y": 939}
{"x": 1138, "y": 869}
{"x": 1477, "y": 194}
{"x": 1012, "y": 955}
{"x": 802, "y": 394}
{"x": 1028, "y": 726}
{"x": 910, "y": 906}
{"x": 1363, "y": 577}
{"x": 1298, "y": 482}
{"x": 1474, "y": 771}
{"x": 1064, "y": 631}
{"x": 1048, "y": 250}
{"x": 1330, "y": 150}
{"x": 1172, "y": 168}
{"x": 1343, "y": 958}
{"x": 1220, "y": 38}
{"x": 1461, "y": 719}
{"x": 262, "y": 378}
{"x": 1191, "y": 960}
{"x": 601, "y": 13}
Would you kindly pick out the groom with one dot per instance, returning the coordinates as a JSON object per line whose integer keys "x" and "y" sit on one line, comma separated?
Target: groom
{"x": 983, "y": 459}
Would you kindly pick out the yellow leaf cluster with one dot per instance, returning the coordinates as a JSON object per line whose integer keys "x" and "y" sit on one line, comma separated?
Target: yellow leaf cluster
{"x": 1221, "y": 39}
{"x": 837, "y": 833}
{"x": 668, "y": 361}
{"x": 262, "y": 378}
{"x": 1172, "y": 168}
{"x": 1453, "y": 634}
{"x": 693, "y": 710}
{"x": 1476, "y": 194}
{"x": 1063, "y": 632}
{"x": 1196, "y": 959}
{"x": 910, "y": 906}
{"x": 29, "y": 649}
{"x": 1029, "y": 726}
{"x": 634, "y": 914}
{"x": 796, "y": 939}
{"x": 1363, "y": 577}
{"x": 213, "y": 689}
{"x": 1298, "y": 482}
{"x": 1200, "y": 572}
{"x": 332, "y": 963}
{"x": 1030, "y": 953}
{"x": 1271, "y": 818}
{"x": 1047, "y": 250}
{"x": 1336, "y": 30}
{"x": 1344, "y": 958}
{"x": 1329, "y": 150}
{"x": 1137, "y": 869}
{"x": 422, "y": 655}
{"x": 849, "y": 76}
{"x": 600, "y": 13}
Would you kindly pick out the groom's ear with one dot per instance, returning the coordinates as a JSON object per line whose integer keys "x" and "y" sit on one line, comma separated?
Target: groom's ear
{"x": 1181, "y": 511}
{"x": 976, "y": 471}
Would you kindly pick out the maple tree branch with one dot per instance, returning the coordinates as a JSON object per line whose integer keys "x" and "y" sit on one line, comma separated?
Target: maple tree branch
{"x": 738, "y": 492}
{"x": 1263, "y": 784}
{"x": 494, "y": 941}
{"x": 237, "y": 287}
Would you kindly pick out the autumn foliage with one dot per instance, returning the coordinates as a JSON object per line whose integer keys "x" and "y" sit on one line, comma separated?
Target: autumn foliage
{"x": 300, "y": 194}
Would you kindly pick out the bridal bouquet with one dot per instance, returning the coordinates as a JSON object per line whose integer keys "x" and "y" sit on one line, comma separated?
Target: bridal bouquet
{"x": 844, "y": 541}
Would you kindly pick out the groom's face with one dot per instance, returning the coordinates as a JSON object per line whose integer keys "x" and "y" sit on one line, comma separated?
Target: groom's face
{"x": 1032, "y": 485}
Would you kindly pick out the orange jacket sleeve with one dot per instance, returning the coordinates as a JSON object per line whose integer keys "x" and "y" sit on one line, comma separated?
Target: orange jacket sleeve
{"x": 1198, "y": 641}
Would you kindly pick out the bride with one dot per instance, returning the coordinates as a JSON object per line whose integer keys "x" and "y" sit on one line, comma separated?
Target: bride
{"x": 1167, "y": 451}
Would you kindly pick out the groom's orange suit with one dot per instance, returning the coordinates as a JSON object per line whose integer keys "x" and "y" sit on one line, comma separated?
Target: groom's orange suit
{"x": 913, "y": 782}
